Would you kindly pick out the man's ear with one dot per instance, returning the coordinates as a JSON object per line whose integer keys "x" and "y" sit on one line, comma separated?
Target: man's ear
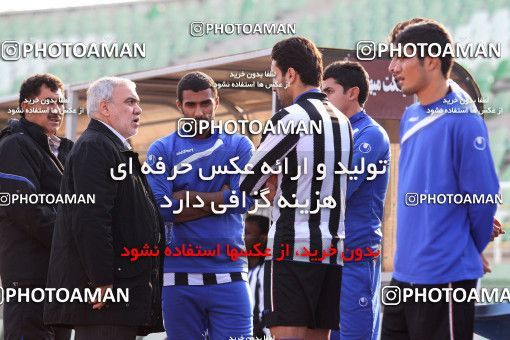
{"x": 217, "y": 101}
{"x": 291, "y": 75}
{"x": 103, "y": 108}
{"x": 432, "y": 63}
{"x": 179, "y": 104}
{"x": 354, "y": 93}
{"x": 25, "y": 106}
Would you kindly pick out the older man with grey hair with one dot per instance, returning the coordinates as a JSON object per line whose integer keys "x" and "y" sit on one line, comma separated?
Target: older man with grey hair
{"x": 89, "y": 241}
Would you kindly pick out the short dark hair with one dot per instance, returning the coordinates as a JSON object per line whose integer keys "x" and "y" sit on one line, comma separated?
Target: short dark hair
{"x": 31, "y": 87}
{"x": 302, "y": 55}
{"x": 349, "y": 74}
{"x": 261, "y": 221}
{"x": 196, "y": 81}
{"x": 399, "y": 27}
{"x": 428, "y": 32}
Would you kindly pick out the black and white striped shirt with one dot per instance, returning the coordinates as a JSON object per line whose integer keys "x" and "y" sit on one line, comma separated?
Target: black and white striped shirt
{"x": 293, "y": 228}
{"x": 256, "y": 282}
{"x": 202, "y": 279}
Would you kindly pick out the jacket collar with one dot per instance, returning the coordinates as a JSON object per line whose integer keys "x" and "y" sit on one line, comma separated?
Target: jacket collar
{"x": 310, "y": 95}
{"x": 100, "y": 127}
{"x": 358, "y": 116}
{"x": 36, "y": 132}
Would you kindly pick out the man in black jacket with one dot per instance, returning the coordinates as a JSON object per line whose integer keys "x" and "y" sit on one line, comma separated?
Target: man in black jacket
{"x": 89, "y": 239}
{"x": 31, "y": 163}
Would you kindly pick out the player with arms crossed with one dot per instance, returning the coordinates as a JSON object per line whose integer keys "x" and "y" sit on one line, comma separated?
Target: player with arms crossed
{"x": 202, "y": 294}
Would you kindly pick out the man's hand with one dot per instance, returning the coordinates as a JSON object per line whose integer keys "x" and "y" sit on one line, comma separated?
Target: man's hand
{"x": 181, "y": 195}
{"x": 497, "y": 229}
{"x": 486, "y": 265}
{"x": 204, "y": 199}
{"x": 102, "y": 291}
{"x": 271, "y": 184}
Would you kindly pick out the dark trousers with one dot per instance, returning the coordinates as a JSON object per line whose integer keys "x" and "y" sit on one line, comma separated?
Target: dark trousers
{"x": 25, "y": 321}
{"x": 104, "y": 332}
{"x": 441, "y": 320}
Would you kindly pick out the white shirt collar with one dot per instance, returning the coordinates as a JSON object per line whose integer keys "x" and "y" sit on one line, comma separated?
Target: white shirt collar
{"x": 122, "y": 139}
{"x": 54, "y": 143}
